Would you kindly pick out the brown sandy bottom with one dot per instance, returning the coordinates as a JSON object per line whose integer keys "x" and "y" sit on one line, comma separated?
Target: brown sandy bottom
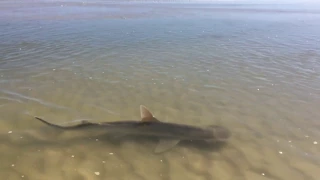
{"x": 257, "y": 150}
{"x": 98, "y": 157}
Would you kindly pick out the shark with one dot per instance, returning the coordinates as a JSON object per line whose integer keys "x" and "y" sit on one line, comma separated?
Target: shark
{"x": 169, "y": 134}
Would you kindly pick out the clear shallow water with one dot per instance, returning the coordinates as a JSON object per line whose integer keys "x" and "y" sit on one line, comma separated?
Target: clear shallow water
{"x": 255, "y": 72}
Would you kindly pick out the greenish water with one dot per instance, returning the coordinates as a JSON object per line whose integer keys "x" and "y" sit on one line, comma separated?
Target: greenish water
{"x": 252, "y": 69}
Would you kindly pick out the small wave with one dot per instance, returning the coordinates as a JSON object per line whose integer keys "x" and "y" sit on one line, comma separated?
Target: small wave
{"x": 11, "y": 80}
{"x": 34, "y": 99}
{"x": 212, "y": 86}
{"x": 11, "y": 99}
{"x": 105, "y": 109}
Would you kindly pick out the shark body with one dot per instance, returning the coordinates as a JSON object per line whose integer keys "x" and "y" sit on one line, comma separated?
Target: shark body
{"x": 169, "y": 134}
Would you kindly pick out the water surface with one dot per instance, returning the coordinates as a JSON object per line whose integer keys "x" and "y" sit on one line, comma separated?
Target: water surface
{"x": 252, "y": 69}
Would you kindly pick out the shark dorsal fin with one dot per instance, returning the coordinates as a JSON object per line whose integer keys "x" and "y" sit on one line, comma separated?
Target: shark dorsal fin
{"x": 146, "y": 115}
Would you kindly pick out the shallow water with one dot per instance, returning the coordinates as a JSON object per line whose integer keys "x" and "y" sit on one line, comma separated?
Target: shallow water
{"x": 252, "y": 69}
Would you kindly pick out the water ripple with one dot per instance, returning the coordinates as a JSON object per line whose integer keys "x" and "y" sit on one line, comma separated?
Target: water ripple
{"x": 256, "y": 73}
{"x": 33, "y": 99}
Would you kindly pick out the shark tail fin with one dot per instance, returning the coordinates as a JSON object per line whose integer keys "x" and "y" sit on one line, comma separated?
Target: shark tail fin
{"x": 82, "y": 124}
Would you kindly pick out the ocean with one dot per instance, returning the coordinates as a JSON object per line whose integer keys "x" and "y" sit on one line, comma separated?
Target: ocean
{"x": 252, "y": 68}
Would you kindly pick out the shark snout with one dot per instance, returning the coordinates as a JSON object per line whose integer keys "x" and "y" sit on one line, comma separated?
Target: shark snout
{"x": 220, "y": 133}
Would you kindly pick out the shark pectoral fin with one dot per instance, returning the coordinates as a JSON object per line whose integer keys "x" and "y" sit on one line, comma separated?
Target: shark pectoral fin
{"x": 166, "y": 144}
{"x": 146, "y": 115}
